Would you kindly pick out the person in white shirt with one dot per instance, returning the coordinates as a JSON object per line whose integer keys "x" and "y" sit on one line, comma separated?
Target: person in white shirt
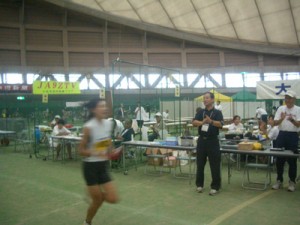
{"x": 157, "y": 127}
{"x": 60, "y": 130}
{"x": 54, "y": 121}
{"x": 236, "y": 126}
{"x": 140, "y": 115}
{"x": 287, "y": 118}
{"x": 121, "y": 113}
{"x": 166, "y": 115}
{"x": 262, "y": 115}
{"x": 218, "y": 106}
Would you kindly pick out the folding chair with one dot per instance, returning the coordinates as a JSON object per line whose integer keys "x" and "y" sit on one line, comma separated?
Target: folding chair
{"x": 155, "y": 158}
{"x": 184, "y": 157}
{"x": 256, "y": 185}
{"x": 25, "y": 142}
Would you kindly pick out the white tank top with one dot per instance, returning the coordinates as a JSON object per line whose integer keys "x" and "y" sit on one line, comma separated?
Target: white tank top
{"x": 99, "y": 131}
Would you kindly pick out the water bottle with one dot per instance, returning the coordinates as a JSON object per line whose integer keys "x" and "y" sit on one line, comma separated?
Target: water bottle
{"x": 37, "y": 135}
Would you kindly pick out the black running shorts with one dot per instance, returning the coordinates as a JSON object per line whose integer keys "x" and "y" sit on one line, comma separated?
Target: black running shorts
{"x": 96, "y": 173}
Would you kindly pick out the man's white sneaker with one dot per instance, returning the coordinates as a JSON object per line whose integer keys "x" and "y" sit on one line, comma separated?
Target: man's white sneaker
{"x": 85, "y": 223}
{"x": 213, "y": 192}
{"x": 277, "y": 185}
{"x": 199, "y": 189}
{"x": 291, "y": 187}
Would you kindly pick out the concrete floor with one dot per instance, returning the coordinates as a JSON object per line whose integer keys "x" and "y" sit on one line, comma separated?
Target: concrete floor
{"x": 37, "y": 192}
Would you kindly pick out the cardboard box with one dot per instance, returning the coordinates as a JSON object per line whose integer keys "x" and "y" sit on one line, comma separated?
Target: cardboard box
{"x": 245, "y": 146}
{"x": 155, "y": 161}
{"x": 154, "y": 151}
{"x": 165, "y": 151}
{"x": 170, "y": 161}
{"x": 157, "y": 151}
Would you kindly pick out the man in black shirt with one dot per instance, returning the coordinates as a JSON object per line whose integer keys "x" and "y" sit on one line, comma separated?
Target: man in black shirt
{"x": 208, "y": 121}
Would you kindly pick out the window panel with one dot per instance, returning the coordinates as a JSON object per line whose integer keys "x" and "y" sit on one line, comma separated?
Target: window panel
{"x": 272, "y": 76}
{"x": 93, "y": 85}
{"x": 83, "y": 84}
{"x": 140, "y": 78}
{"x": 123, "y": 84}
{"x": 162, "y": 83}
{"x": 101, "y": 78}
{"x": 74, "y": 77}
{"x": 208, "y": 83}
{"x": 191, "y": 77}
{"x": 251, "y": 79}
{"x": 152, "y": 77}
{"x": 131, "y": 84}
{"x": 200, "y": 83}
{"x": 217, "y": 77}
{"x": 291, "y": 76}
{"x": 234, "y": 80}
{"x": 59, "y": 77}
{"x": 113, "y": 78}
{"x": 31, "y": 77}
{"x": 13, "y": 78}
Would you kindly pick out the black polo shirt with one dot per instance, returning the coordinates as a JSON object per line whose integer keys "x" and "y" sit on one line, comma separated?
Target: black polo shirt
{"x": 215, "y": 115}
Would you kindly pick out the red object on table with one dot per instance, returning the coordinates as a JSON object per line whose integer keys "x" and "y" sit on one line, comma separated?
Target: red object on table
{"x": 68, "y": 125}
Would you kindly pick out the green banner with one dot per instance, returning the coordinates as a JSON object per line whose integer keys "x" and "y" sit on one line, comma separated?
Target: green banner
{"x": 55, "y": 88}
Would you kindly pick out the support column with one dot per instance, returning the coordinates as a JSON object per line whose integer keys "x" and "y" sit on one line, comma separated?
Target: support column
{"x": 22, "y": 37}
{"x": 183, "y": 55}
{"x": 223, "y": 80}
{"x": 105, "y": 48}
{"x": 65, "y": 43}
{"x": 222, "y": 58}
{"x": 145, "y": 49}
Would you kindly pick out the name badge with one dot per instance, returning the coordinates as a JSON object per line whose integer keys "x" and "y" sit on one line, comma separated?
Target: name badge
{"x": 205, "y": 127}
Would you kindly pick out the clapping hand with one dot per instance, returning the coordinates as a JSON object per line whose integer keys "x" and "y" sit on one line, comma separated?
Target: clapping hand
{"x": 291, "y": 119}
{"x": 206, "y": 120}
{"x": 283, "y": 115}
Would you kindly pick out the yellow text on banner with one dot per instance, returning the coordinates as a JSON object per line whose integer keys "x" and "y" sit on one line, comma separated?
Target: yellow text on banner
{"x": 177, "y": 91}
{"x": 102, "y": 93}
{"x": 55, "y": 88}
{"x": 45, "y": 98}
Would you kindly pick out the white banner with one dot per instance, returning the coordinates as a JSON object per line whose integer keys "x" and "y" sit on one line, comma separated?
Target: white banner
{"x": 74, "y": 104}
{"x": 276, "y": 89}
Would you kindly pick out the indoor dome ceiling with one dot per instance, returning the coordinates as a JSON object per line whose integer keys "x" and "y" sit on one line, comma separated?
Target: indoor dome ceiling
{"x": 273, "y": 24}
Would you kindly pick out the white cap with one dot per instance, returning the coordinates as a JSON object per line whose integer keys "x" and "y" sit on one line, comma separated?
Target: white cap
{"x": 158, "y": 114}
{"x": 57, "y": 116}
{"x": 292, "y": 94}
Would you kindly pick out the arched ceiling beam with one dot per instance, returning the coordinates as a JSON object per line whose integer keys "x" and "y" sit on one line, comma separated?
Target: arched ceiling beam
{"x": 295, "y": 28}
{"x": 135, "y": 10}
{"x": 262, "y": 22}
{"x": 200, "y": 18}
{"x": 232, "y": 24}
{"x": 166, "y": 12}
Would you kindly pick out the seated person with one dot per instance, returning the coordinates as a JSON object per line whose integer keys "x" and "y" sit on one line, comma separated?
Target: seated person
{"x": 117, "y": 128}
{"x": 271, "y": 131}
{"x": 53, "y": 123}
{"x": 60, "y": 130}
{"x": 236, "y": 126}
{"x": 128, "y": 132}
{"x": 156, "y": 128}
{"x": 127, "y": 135}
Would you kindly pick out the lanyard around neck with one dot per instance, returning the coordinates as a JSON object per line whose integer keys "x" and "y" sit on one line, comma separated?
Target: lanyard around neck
{"x": 209, "y": 115}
